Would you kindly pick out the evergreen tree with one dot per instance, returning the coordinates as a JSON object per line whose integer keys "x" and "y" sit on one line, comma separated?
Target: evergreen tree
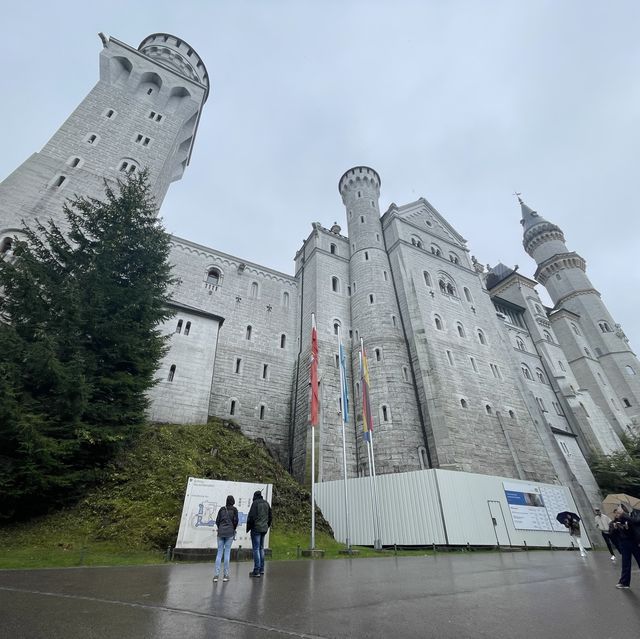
{"x": 80, "y": 310}
{"x": 620, "y": 471}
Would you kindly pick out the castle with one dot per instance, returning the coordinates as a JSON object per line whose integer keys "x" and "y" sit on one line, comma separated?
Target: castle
{"x": 469, "y": 370}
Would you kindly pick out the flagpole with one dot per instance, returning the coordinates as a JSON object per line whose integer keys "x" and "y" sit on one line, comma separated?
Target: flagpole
{"x": 366, "y": 437}
{"x": 313, "y": 487}
{"x": 313, "y": 374}
{"x": 343, "y": 411}
{"x": 377, "y": 544}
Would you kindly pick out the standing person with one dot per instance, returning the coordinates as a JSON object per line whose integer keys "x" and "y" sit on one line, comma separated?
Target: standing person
{"x": 628, "y": 546}
{"x": 602, "y": 524}
{"x": 573, "y": 524}
{"x": 226, "y": 523}
{"x": 258, "y": 523}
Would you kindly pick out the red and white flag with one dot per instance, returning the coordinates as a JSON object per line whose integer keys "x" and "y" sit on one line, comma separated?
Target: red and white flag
{"x": 314, "y": 372}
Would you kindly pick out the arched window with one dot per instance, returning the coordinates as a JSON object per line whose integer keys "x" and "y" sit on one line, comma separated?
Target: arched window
{"x": 172, "y": 372}
{"x": 213, "y": 277}
{"x": 248, "y": 332}
{"x": 547, "y": 336}
{"x": 604, "y": 327}
{"x": 262, "y": 411}
{"x": 6, "y": 246}
{"x": 179, "y": 327}
{"x": 438, "y": 322}
{"x": 232, "y": 407}
{"x": 443, "y": 287}
{"x": 463, "y": 402}
{"x": 427, "y": 278}
{"x": 543, "y": 408}
{"x": 335, "y": 284}
{"x": 512, "y": 414}
{"x": 629, "y": 370}
{"x": 405, "y": 373}
{"x": 283, "y": 340}
{"x": 416, "y": 241}
{"x": 461, "y": 330}
{"x": 626, "y": 402}
{"x": 540, "y": 375}
{"x": 575, "y": 329}
{"x": 526, "y": 371}
{"x": 451, "y": 290}
{"x": 332, "y": 248}
{"x": 538, "y": 309}
{"x": 467, "y": 295}
{"x": 285, "y": 299}
{"x": 435, "y": 249}
{"x": 254, "y": 290}
{"x": 520, "y": 344}
{"x": 336, "y": 327}
{"x": 385, "y": 413}
{"x": 378, "y": 354}
{"x": 481, "y": 337}
{"x": 394, "y": 321}
{"x": 187, "y": 328}
{"x": 561, "y": 365}
{"x": 454, "y": 258}
{"x": 488, "y": 409}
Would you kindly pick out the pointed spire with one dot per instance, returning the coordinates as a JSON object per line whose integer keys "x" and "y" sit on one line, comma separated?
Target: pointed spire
{"x": 533, "y": 224}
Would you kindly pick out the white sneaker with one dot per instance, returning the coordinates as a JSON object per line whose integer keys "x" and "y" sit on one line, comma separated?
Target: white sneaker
{"x": 583, "y": 554}
{"x": 613, "y": 558}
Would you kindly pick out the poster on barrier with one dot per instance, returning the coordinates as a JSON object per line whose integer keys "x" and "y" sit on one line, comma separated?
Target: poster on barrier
{"x": 527, "y": 506}
{"x": 203, "y": 499}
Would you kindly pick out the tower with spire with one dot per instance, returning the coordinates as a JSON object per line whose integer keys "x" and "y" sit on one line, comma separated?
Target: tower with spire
{"x": 595, "y": 346}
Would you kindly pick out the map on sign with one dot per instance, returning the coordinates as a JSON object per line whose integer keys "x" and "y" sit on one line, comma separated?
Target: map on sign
{"x": 203, "y": 500}
{"x": 535, "y": 506}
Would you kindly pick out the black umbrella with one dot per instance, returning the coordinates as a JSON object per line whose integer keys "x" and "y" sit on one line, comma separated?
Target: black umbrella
{"x": 566, "y": 514}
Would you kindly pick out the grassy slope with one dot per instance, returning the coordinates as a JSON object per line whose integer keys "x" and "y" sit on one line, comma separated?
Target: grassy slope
{"x": 134, "y": 515}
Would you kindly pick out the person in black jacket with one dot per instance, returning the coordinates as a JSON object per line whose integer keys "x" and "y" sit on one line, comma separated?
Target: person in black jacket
{"x": 226, "y": 523}
{"x": 258, "y": 523}
{"x": 622, "y": 527}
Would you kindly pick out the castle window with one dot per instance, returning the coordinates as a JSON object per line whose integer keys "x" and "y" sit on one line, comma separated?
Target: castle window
{"x": 540, "y": 375}
{"x": 336, "y": 327}
{"x": 422, "y": 456}
{"x": 450, "y": 358}
{"x": 436, "y": 250}
{"x": 557, "y": 408}
{"x": 127, "y": 166}
{"x": 179, "y": 327}
{"x": 438, "y": 322}
{"x": 213, "y": 277}
{"x": 265, "y": 371}
{"x": 232, "y": 407}
{"x": 481, "y": 337}
{"x": 565, "y": 448}
{"x": 349, "y": 291}
{"x": 337, "y": 359}
{"x": 359, "y": 194}
{"x": 626, "y": 402}
{"x": 629, "y": 370}
{"x": 488, "y": 409}
{"x": 538, "y": 309}
{"x": 451, "y": 290}
{"x": 587, "y": 352}
{"x": 427, "y": 278}
{"x": 547, "y": 336}
{"x": 496, "y": 371}
{"x": 467, "y": 295}
{"x": 385, "y": 413}
{"x": 6, "y": 245}
{"x": 454, "y": 258}
{"x": 604, "y": 327}
{"x": 463, "y": 403}
{"x": 283, "y": 340}
{"x": 473, "y": 364}
{"x": 254, "y": 291}
{"x": 248, "y": 333}
{"x": 285, "y": 299}
{"x": 362, "y": 219}
{"x": 172, "y": 372}
{"x": 92, "y": 138}
{"x": 405, "y": 373}
{"x": 561, "y": 365}
{"x": 520, "y": 344}
{"x": 443, "y": 286}
{"x": 187, "y": 328}
{"x": 354, "y": 287}
{"x": 428, "y": 223}
{"x": 461, "y": 330}
{"x": 512, "y": 414}
{"x": 59, "y": 181}
{"x": 332, "y": 248}
{"x": 371, "y": 299}
{"x": 526, "y": 372}
{"x": 366, "y": 255}
{"x": 377, "y": 237}
{"x": 238, "y": 366}
{"x": 262, "y": 408}
{"x": 394, "y": 321}
{"x": 149, "y": 91}
{"x": 335, "y": 284}
{"x": 385, "y": 275}
{"x": 558, "y": 276}
{"x": 74, "y": 162}
{"x": 575, "y": 329}
{"x": 109, "y": 114}
{"x": 378, "y": 354}
{"x": 584, "y": 409}
{"x": 416, "y": 241}
{"x": 543, "y": 408}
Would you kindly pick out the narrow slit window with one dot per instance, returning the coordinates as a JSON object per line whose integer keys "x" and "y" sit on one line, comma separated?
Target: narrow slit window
{"x": 261, "y": 412}
{"x": 232, "y": 408}
{"x": 172, "y": 373}
{"x": 283, "y": 340}
{"x": 265, "y": 371}
{"x": 187, "y": 328}
{"x": 238, "y": 365}
{"x": 179, "y": 327}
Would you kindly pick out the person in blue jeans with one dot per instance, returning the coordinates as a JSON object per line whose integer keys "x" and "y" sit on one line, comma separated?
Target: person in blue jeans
{"x": 258, "y": 523}
{"x": 226, "y": 523}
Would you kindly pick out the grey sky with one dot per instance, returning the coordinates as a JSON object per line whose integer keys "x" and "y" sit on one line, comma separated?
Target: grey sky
{"x": 459, "y": 102}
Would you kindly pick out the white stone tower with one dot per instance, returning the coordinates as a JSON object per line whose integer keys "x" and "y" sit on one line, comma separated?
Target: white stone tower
{"x": 375, "y": 316}
{"x": 595, "y": 346}
{"x": 143, "y": 112}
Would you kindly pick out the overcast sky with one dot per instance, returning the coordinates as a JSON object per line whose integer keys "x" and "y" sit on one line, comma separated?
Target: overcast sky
{"x": 459, "y": 102}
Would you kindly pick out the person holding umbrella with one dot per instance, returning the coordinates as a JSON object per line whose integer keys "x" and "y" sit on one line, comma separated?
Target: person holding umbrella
{"x": 623, "y": 528}
{"x": 572, "y": 523}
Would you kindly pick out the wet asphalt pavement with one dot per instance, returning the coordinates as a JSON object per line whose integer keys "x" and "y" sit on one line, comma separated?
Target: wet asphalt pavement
{"x": 510, "y": 595}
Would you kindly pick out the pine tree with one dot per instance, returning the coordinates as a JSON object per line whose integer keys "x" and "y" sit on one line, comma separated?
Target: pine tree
{"x": 80, "y": 311}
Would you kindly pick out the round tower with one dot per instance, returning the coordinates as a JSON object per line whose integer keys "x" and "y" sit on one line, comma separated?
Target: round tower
{"x": 375, "y": 317}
